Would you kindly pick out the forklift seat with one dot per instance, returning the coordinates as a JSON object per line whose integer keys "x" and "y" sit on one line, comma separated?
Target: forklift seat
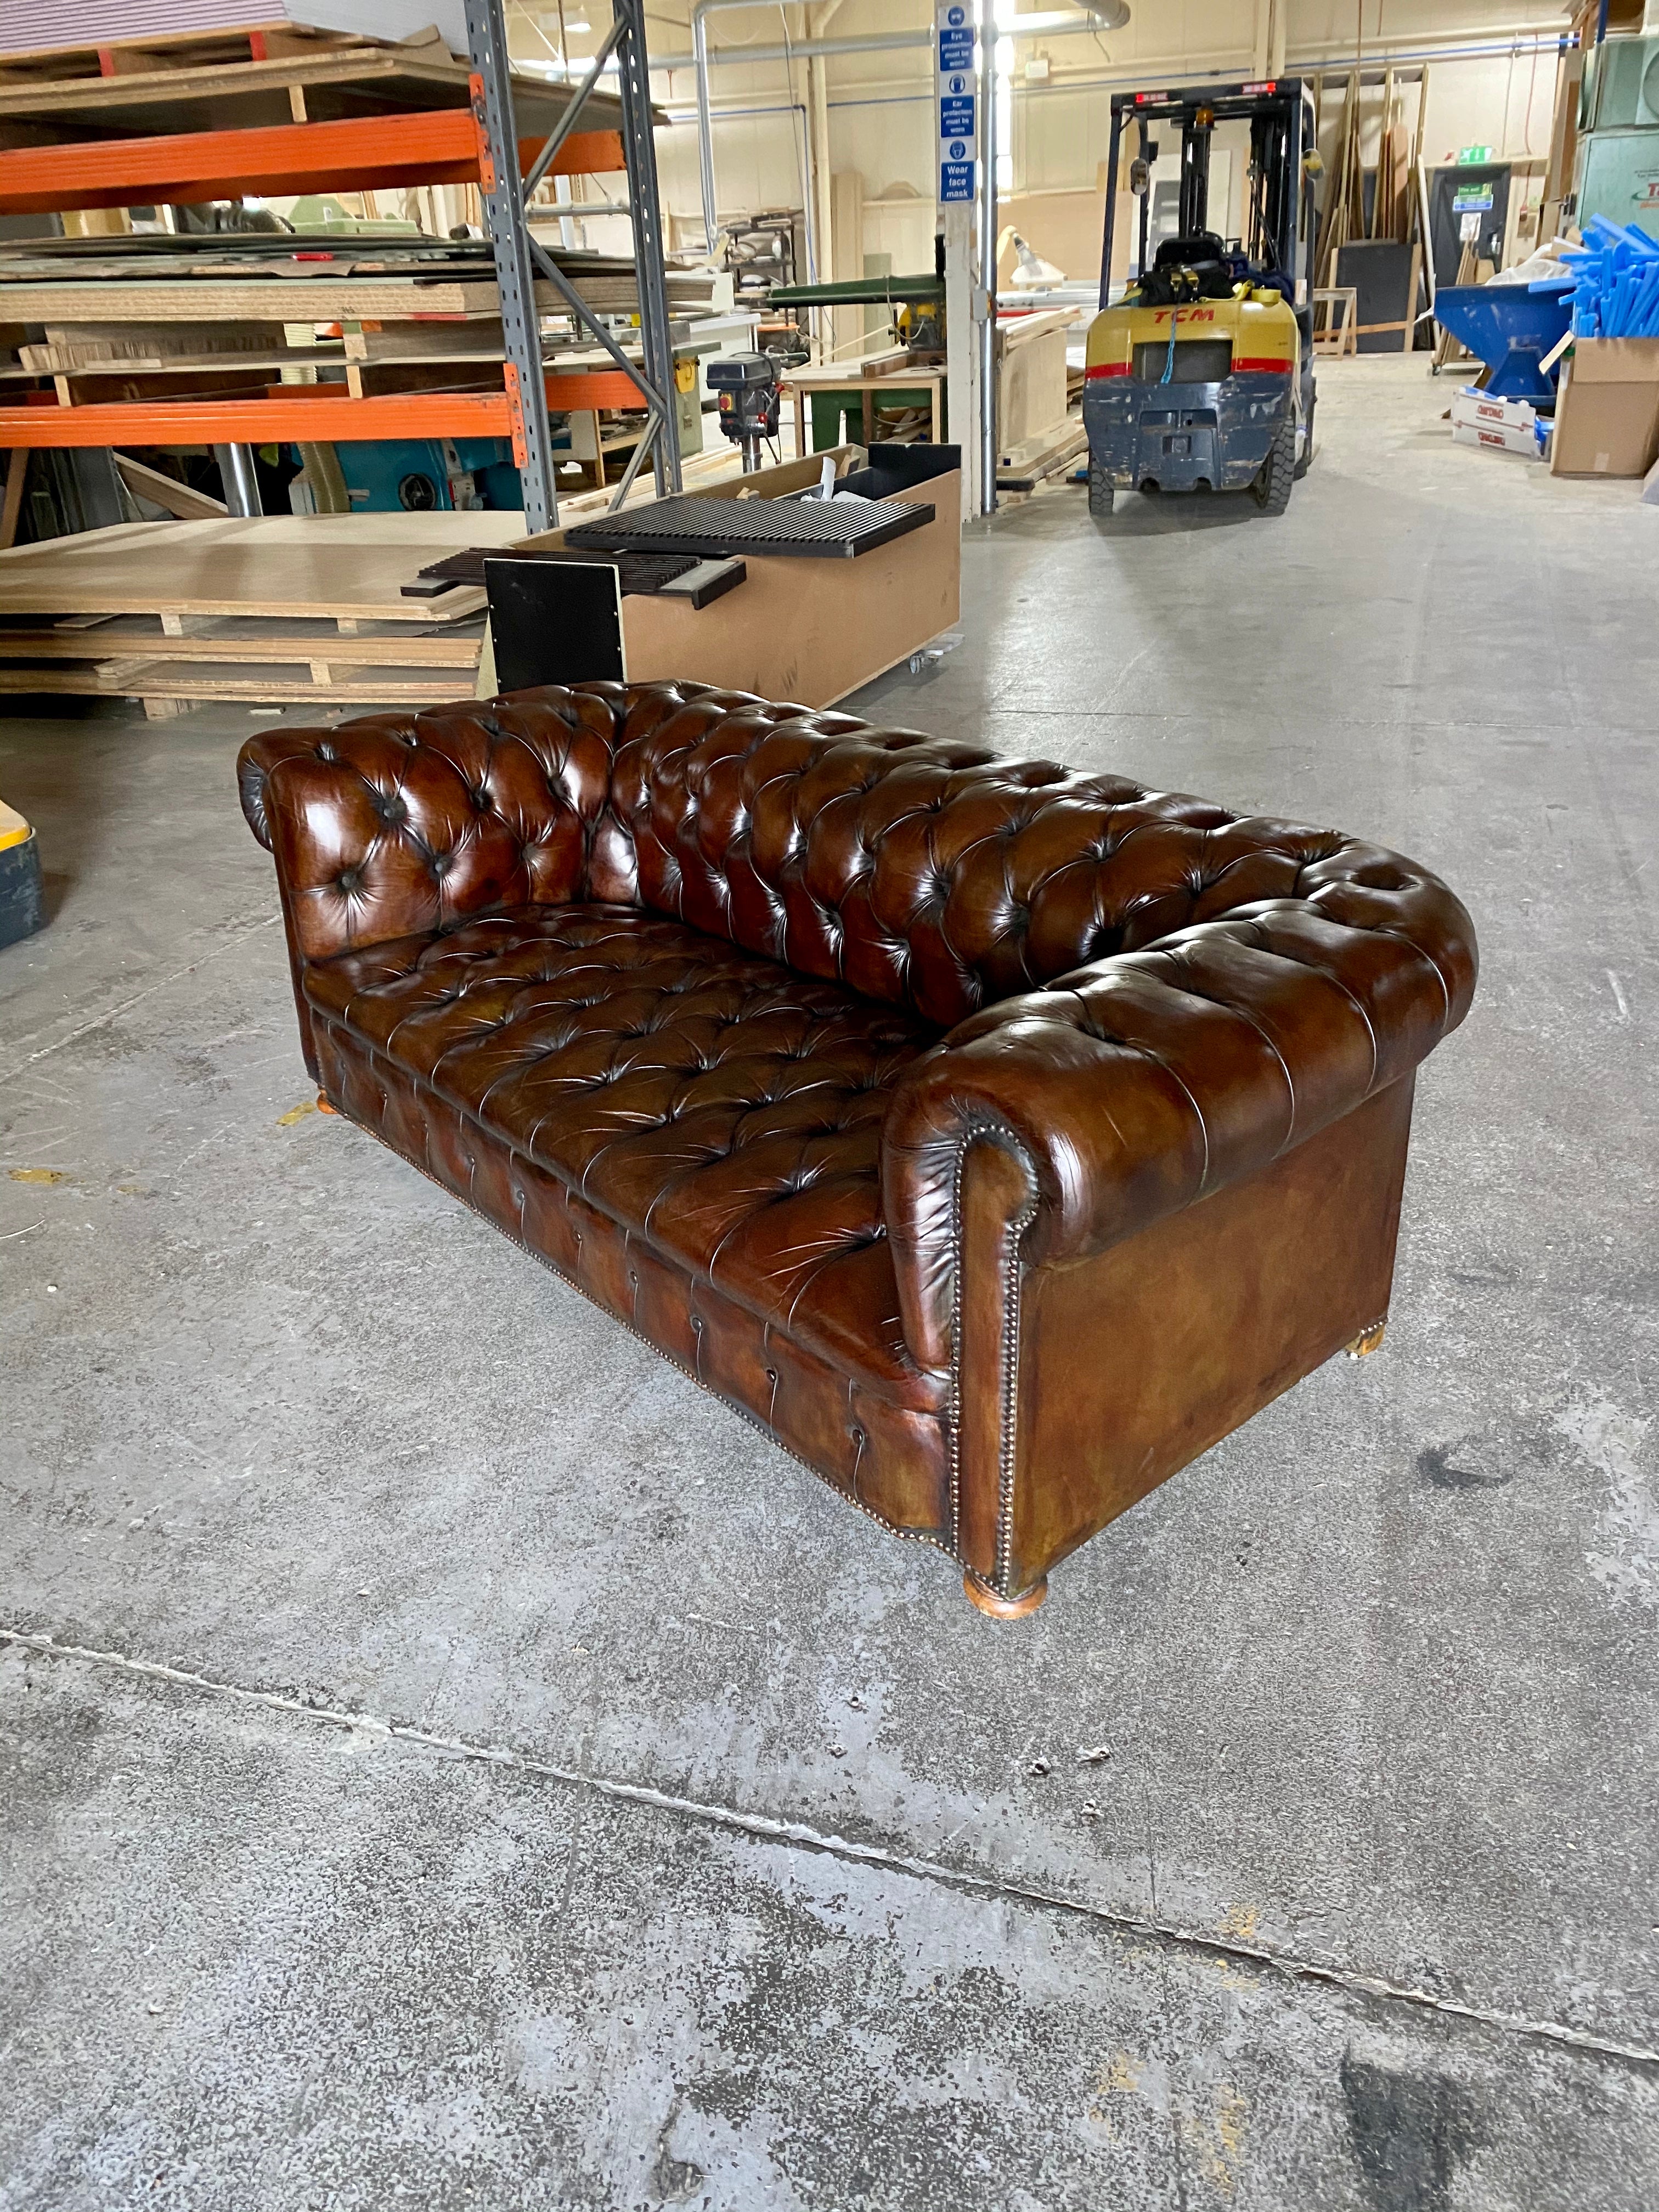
{"x": 1190, "y": 253}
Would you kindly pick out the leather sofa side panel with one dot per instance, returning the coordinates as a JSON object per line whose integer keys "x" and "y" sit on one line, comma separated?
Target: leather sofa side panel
{"x": 890, "y": 1460}
{"x": 1135, "y": 1362}
{"x": 1154, "y": 1079}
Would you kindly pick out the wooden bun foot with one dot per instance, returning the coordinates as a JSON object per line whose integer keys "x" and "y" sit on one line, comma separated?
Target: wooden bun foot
{"x": 1005, "y": 1608}
{"x": 1368, "y": 1340}
{"x": 323, "y": 1106}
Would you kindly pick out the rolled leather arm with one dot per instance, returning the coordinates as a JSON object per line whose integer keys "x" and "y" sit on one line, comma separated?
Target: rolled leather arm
{"x": 1138, "y": 1085}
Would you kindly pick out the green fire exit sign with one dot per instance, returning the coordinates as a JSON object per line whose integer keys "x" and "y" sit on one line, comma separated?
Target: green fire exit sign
{"x": 1473, "y": 156}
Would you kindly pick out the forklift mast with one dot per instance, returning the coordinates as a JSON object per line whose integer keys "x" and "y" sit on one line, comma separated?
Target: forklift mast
{"x": 1279, "y": 211}
{"x": 1196, "y": 132}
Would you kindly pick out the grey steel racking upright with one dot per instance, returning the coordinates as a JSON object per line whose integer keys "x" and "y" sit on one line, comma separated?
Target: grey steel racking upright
{"x": 520, "y": 259}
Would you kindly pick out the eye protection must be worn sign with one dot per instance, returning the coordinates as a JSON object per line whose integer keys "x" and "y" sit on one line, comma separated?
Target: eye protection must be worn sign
{"x": 958, "y": 101}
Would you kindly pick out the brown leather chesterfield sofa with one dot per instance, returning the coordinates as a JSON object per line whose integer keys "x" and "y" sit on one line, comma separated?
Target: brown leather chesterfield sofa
{"x": 997, "y": 1137}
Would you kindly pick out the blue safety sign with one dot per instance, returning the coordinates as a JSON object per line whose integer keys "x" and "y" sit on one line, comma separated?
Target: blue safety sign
{"x": 956, "y": 117}
{"x": 956, "y": 51}
{"x": 956, "y": 181}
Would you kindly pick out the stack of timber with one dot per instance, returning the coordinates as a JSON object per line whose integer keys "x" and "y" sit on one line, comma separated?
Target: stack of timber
{"x": 245, "y": 78}
{"x": 303, "y": 610}
{"x": 150, "y": 317}
{"x": 1371, "y": 234}
{"x": 1377, "y": 204}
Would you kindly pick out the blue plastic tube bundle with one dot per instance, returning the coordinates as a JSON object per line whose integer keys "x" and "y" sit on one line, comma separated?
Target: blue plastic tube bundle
{"x": 1616, "y": 294}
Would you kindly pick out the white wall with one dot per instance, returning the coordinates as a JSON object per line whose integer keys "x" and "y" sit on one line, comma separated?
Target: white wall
{"x": 880, "y": 112}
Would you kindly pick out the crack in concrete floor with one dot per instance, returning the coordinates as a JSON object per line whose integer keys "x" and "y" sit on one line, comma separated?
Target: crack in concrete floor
{"x": 802, "y": 1836}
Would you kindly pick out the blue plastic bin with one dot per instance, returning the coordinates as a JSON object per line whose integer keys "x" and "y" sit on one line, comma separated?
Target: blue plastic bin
{"x": 1510, "y": 327}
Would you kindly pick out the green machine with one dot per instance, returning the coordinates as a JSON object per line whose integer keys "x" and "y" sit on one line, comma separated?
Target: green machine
{"x": 1617, "y": 170}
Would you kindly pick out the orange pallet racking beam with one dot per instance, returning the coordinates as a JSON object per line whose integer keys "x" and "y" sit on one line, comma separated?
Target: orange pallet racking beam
{"x": 436, "y": 146}
{"x": 300, "y": 413}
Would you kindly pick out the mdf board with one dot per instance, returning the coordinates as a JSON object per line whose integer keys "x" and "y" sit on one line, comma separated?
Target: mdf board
{"x": 1030, "y": 383}
{"x": 346, "y": 567}
{"x": 223, "y": 639}
{"x": 810, "y": 631}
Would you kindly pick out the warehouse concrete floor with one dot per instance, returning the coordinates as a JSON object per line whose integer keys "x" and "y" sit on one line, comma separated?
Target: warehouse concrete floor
{"x": 451, "y": 1761}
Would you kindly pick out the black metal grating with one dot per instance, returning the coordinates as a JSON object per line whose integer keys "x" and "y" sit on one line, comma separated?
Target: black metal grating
{"x": 811, "y": 526}
{"x": 641, "y": 572}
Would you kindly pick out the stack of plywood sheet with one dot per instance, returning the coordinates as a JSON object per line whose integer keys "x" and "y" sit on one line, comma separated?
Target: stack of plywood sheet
{"x": 238, "y": 77}
{"x": 281, "y": 608}
{"x": 150, "y": 318}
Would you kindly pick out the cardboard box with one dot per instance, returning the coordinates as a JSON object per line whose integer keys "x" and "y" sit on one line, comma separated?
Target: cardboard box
{"x": 1607, "y": 419}
{"x": 1479, "y": 409}
{"x": 1500, "y": 439}
{"x": 1503, "y": 425}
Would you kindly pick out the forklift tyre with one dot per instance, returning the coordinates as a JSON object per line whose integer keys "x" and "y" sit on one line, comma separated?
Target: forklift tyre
{"x": 1272, "y": 489}
{"x": 1100, "y": 489}
{"x": 1306, "y": 462}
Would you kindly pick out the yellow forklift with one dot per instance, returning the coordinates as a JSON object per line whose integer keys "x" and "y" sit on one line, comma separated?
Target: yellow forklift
{"x": 1201, "y": 376}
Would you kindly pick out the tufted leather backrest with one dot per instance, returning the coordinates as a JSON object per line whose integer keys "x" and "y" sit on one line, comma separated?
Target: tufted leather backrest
{"x": 932, "y": 875}
{"x": 941, "y": 876}
{"x": 396, "y": 824}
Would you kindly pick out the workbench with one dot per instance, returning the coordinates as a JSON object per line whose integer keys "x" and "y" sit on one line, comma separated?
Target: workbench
{"x": 889, "y": 375}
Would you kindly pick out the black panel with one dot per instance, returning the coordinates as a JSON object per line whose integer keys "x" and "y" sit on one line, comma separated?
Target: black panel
{"x": 554, "y": 622}
{"x": 1445, "y": 222}
{"x": 893, "y": 471}
{"x": 1380, "y": 272}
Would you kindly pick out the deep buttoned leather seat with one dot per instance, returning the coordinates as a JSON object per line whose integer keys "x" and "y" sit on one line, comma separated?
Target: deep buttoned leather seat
{"x": 998, "y": 1137}
{"x": 723, "y": 1109}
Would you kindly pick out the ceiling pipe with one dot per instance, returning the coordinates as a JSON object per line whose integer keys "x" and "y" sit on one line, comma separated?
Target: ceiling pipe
{"x": 1059, "y": 24}
{"x": 1103, "y": 16}
{"x": 873, "y": 42}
